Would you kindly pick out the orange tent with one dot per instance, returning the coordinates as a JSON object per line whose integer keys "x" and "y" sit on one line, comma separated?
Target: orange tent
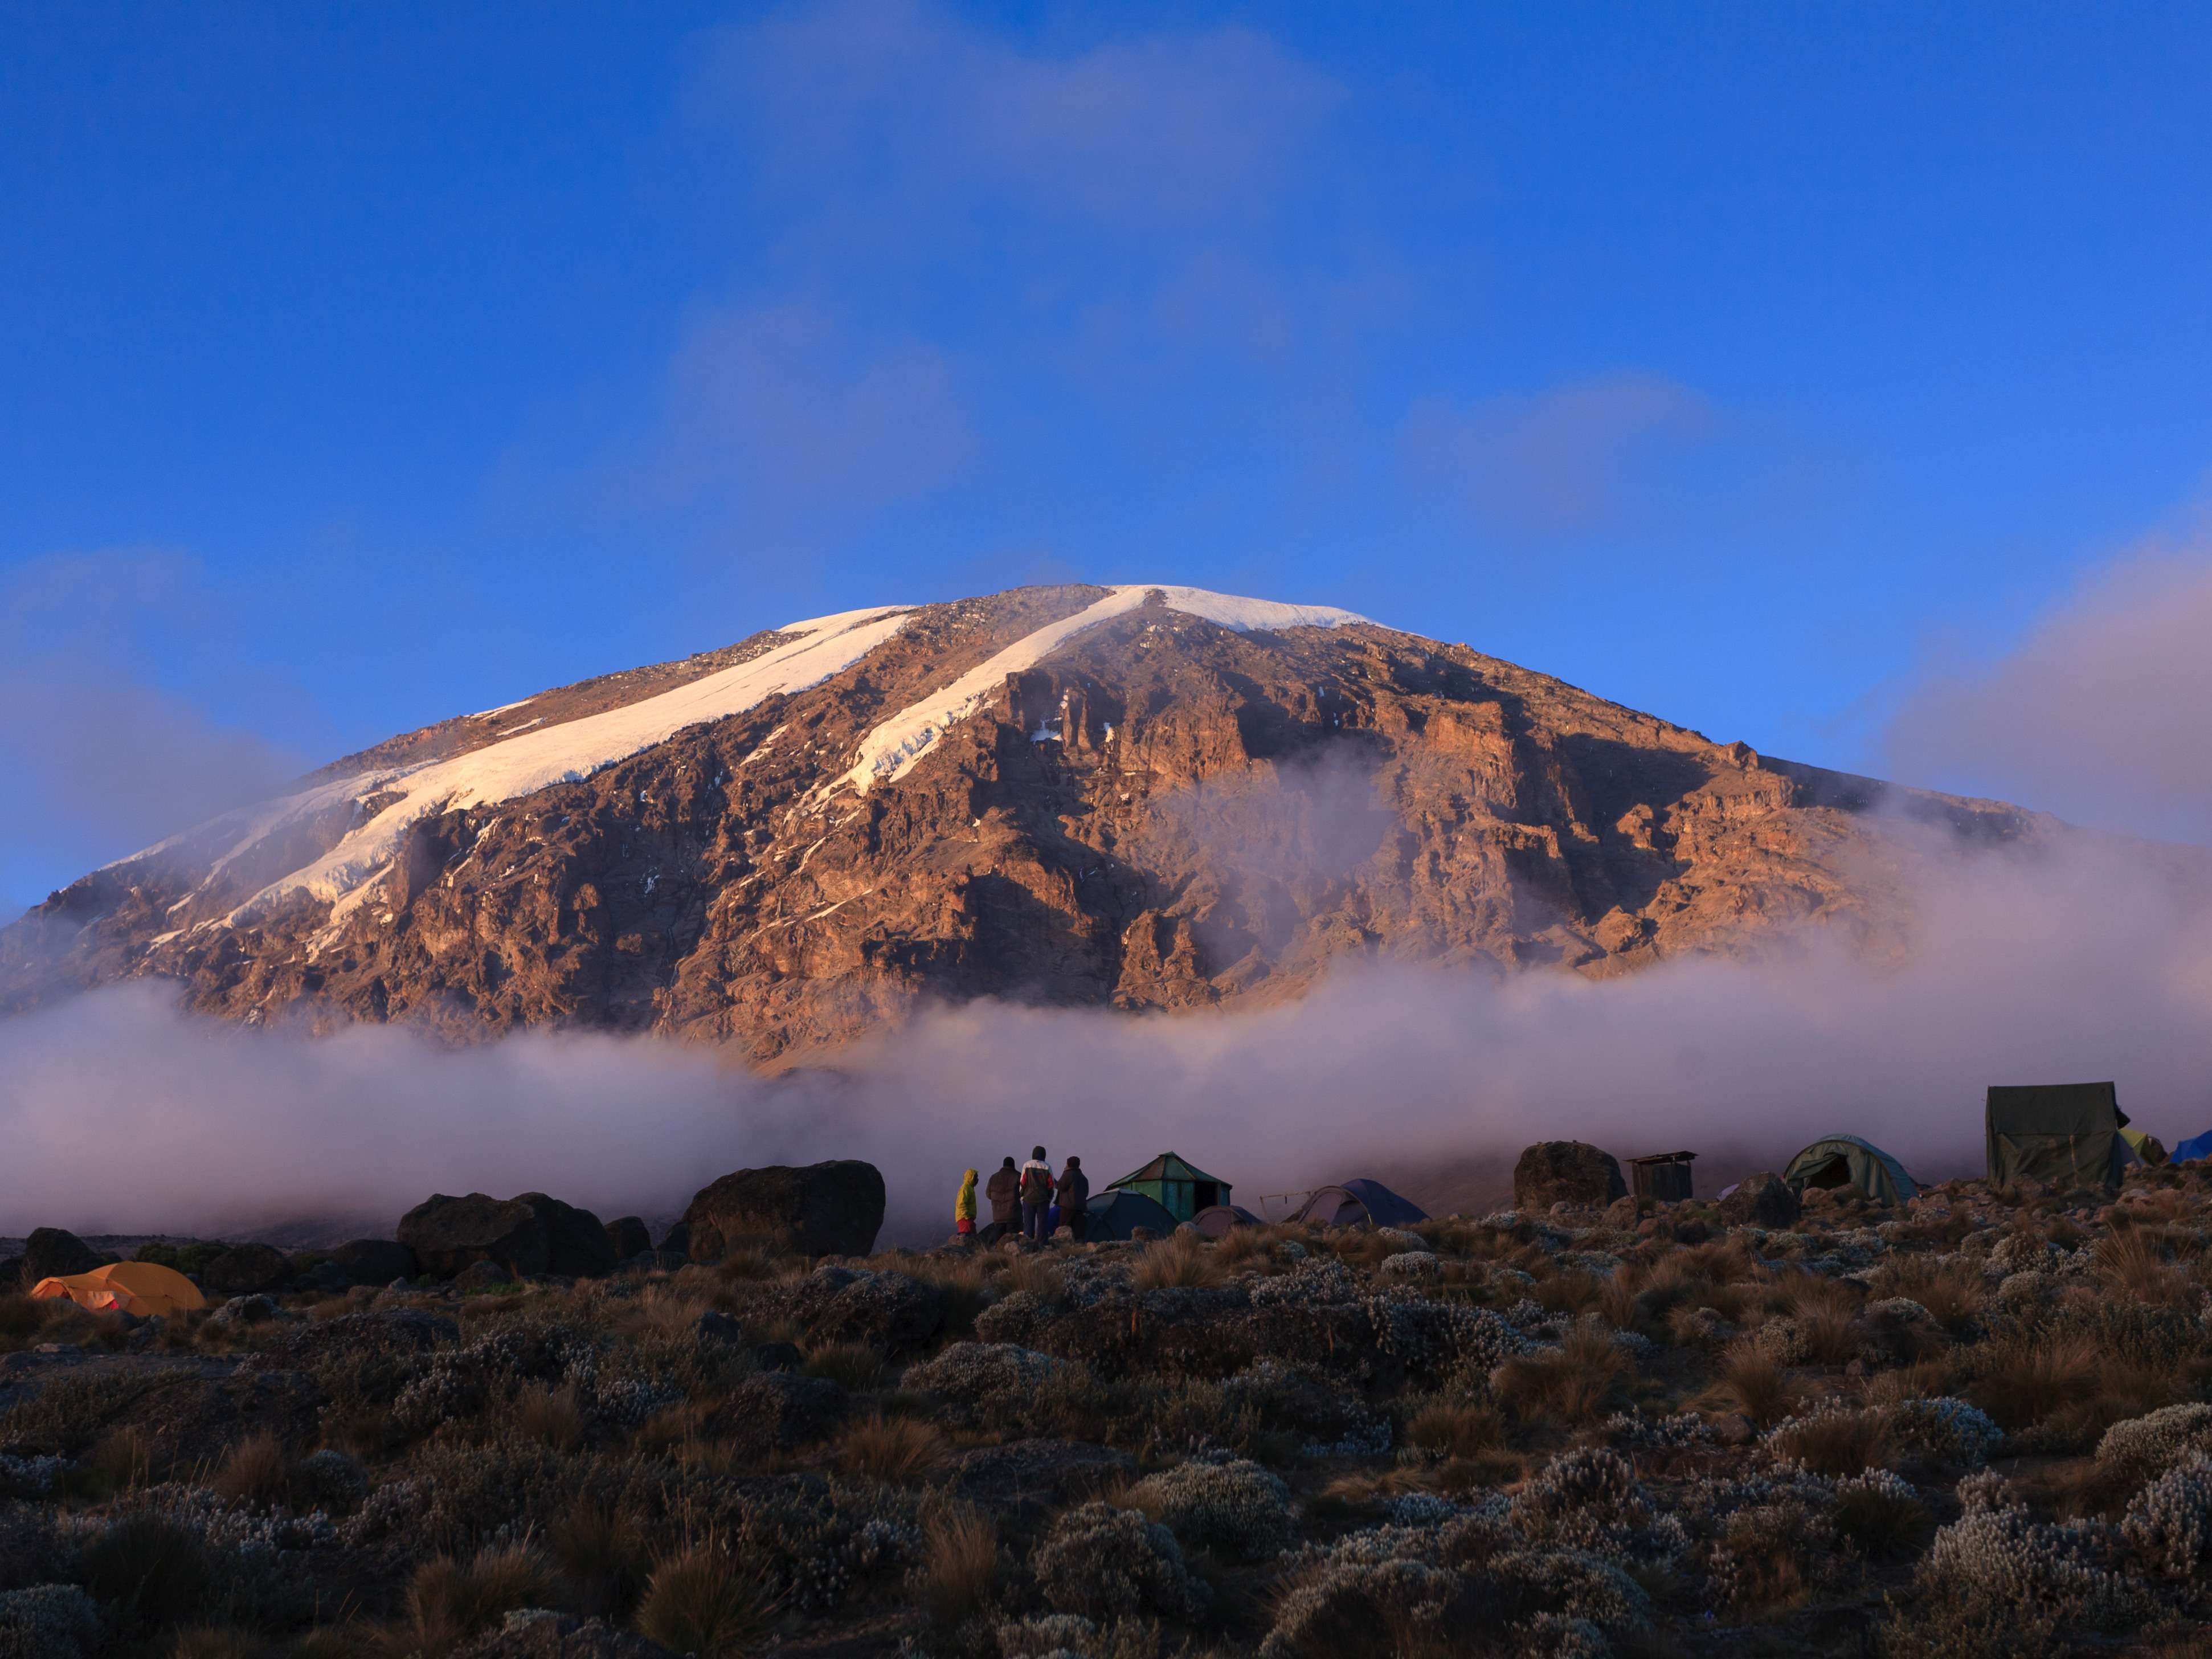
{"x": 131, "y": 1287}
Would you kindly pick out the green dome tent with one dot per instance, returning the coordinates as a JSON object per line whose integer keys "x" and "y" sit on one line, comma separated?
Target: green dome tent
{"x": 1847, "y": 1161}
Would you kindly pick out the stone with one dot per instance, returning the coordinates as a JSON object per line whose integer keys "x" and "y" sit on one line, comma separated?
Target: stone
{"x": 485, "y": 1275}
{"x": 778, "y": 1356}
{"x": 56, "y": 1253}
{"x": 531, "y": 1234}
{"x": 247, "y": 1270}
{"x": 716, "y": 1327}
{"x": 627, "y": 1236}
{"x": 782, "y": 1411}
{"x": 244, "y": 1310}
{"x": 1762, "y": 1200}
{"x": 326, "y": 1277}
{"x": 1570, "y": 1172}
{"x": 1625, "y": 1212}
{"x": 834, "y": 1208}
{"x": 375, "y": 1260}
{"x": 1734, "y": 1430}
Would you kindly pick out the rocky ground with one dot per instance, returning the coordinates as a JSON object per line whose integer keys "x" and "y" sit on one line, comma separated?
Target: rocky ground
{"x": 1975, "y": 1424}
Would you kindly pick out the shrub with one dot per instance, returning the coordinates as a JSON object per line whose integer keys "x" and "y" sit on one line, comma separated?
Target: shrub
{"x": 49, "y": 1622}
{"x": 702, "y": 1601}
{"x": 154, "y": 1571}
{"x": 551, "y": 1416}
{"x": 1881, "y": 1513}
{"x": 1107, "y": 1563}
{"x": 2169, "y": 1523}
{"x": 2145, "y": 1443}
{"x": 1996, "y": 1581}
{"x": 1585, "y": 1375}
{"x": 1237, "y": 1509}
{"x": 1833, "y": 1440}
{"x": 2025, "y": 1381}
{"x": 1389, "y": 1609}
{"x": 1947, "y": 1430}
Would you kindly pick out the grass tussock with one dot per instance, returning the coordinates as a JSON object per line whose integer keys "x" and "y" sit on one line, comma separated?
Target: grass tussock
{"x": 853, "y": 1365}
{"x": 1584, "y": 1376}
{"x": 1749, "y": 1379}
{"x": 449, "y": 1601}
{"x": 1455, "y": 1429}
{"x": 603, "y": 1554}
{"x": 1180, "y": 1259}
{"x": 256, "y": 1470}
{"x": 1836, "y": 1443}
{"x": 704, "y": 1601}
{"x": 959, "y": 1569}
{"x": 898, "y": 1451}
{"x": 2025, "y": 1380}
{"x": 551, "y": 1417}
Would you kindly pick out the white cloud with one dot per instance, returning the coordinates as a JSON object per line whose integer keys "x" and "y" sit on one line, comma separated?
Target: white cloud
{"x": 2101, "y": 713}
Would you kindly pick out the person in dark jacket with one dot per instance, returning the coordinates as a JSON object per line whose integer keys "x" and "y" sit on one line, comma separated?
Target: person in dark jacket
{"x": 1003, "y": 1191}
{"x": 1074, "y": 1191}
{"x": 1036, "y": 1194}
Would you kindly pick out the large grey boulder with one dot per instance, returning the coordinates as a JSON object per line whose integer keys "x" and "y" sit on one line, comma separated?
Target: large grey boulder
{"x": 531, "y": 1234}
{"x": 375, "y": 1260}
{"x": 628, "y": 1238}
{"x": 819, "y": 1209}
{"x": 1566, "y": 1172}
{"x": 56, "y": 1253}
{"x": 1763, "y": 1199}
{"x": 248, "y": 1270}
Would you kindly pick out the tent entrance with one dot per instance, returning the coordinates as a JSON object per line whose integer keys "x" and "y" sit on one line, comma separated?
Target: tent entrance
{"x": 1204, "y": 1194}
{"x": 1830, "y": 1174}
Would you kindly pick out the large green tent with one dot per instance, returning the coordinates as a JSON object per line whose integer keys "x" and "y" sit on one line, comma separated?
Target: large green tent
{"x": 2062, "y": 1134}
{"x": 1847, "y": 1161}
{"x": 1175, "y": 1184}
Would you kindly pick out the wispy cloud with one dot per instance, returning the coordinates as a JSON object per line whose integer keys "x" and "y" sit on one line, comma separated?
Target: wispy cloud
{"x": 96, "y": 759}
{"x": 2102, "y": 712}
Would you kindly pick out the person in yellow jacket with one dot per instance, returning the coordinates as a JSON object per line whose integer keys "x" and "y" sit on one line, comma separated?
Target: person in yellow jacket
{"x": 963, "y": 1207}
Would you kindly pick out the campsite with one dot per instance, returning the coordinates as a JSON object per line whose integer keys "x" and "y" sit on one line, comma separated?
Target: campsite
{"x": 1832, "y": 1408}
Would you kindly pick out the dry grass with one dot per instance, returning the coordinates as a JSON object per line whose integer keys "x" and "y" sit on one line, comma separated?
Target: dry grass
{"x": 899, "y": 1451}
{"x": 853, "y": 1365}
{"x": 1884, "y": 1525}
{"x": 703, "y": 1602}
{"x": 2135, "y": 1263}
{"x": 1038, "y": 1274}
{"x": 551, "y": 1416}
{"x": 126, "y": 1456}
{"x": 1455, "y": 1429}
{"x": 1243, "y": 1246}
{"x": 450, "y": 1601}
{"x": 1585, "y": 1375}
{"x": 1179, "y": 1259}
{"x": 20, "y": 1317}
{"x": 1952, "y": 1292}
{"x": 603, "y": 1554}
{"x": 2025, "y": 1380}
{"x": 748, "y": 1264}
{"x": 1573, "y": 1292}
{"x": 152, "y": 1571}
{"x": 1750, "y": 1380}
{"x": 959, "y": 1565}
{"x": 256, "y": 1470}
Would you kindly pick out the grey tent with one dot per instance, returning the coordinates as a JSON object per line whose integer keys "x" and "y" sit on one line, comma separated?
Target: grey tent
{"x": 2062, "y": 1134}
{"x": 1117, "y": 1211}
{"x": 1360, "y": 1203}
{"x": 1847, "y": 1161}
{"x": 1220, "y": 1220}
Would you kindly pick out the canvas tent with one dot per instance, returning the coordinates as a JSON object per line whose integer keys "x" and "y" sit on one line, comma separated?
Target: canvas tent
{"x": 1115, "y": 1214}
{"x": 1176, "y": 1185}
{"x": 1847, "y": 1161}
{"x": 1360, "y": 1203}
{"x": 140, "y": 1288}
{"x": 2062, "y": 1134}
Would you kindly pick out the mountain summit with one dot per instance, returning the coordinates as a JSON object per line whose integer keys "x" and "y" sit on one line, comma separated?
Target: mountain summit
{"x": 1145, "y": 797}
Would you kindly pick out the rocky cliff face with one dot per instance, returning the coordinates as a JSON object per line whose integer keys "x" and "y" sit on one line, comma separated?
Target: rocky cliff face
{"x": 1134, "y": 798}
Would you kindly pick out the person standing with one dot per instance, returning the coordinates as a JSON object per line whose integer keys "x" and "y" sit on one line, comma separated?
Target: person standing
{"x": 1004, "y": 1192}
{"x": 964, "y": 1206}
{"x": 1037, "y": 1193}
{"x": 1073, "y": 1190}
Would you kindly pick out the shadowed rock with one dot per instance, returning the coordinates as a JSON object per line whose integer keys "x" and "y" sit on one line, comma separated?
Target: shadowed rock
{"x": 248, "y": 1270}
{"x": 531, "y": 1234}
{"x": 375, "y": 1260}
{"x": 1764, "y": 1199}
{"x": 55, "y": 1253}
{"x": 819, "y": 1209}
{"x": 1566, "y": 1172}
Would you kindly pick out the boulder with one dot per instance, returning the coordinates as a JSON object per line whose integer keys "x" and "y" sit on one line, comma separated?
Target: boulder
{"x": 374, "y": 1260}
{"x": 1763, "y": 1199}
{"x": 55, "y": 1253}
{"x": 531, "y": 1234}
{"x": 326, "y": 1277}
{"x": 247, "y": 1270}
{"x": 627, "y": 1236}
{"x": 820, "y": 1209}
{"x": 485, "y": 1275}
{"x": 1566, "y": 1172}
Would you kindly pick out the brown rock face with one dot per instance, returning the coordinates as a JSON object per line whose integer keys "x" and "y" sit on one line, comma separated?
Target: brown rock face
{"x": 1566, "y": 1172}
{"x": 835, "y": 1208}
{"x": 1159, "y": 812}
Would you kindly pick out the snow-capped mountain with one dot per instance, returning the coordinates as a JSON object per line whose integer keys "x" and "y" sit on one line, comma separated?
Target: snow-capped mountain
{"x": 1140, "y": 796}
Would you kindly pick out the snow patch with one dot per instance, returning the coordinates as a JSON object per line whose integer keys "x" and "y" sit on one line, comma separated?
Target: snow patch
{"x": 522, "y": 763}
{"x": 890, "y": 752}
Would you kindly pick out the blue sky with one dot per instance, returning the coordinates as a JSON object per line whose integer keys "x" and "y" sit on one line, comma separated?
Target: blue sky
{"x": 1832, "y": 379}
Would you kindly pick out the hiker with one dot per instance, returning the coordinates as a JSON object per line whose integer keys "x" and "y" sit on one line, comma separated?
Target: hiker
{"x": 964, "y": 1206}
{"x": 1036, "y": 1194}
{"x": 1073, "y": 1190}
{"x": 1005, "y": 1188}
